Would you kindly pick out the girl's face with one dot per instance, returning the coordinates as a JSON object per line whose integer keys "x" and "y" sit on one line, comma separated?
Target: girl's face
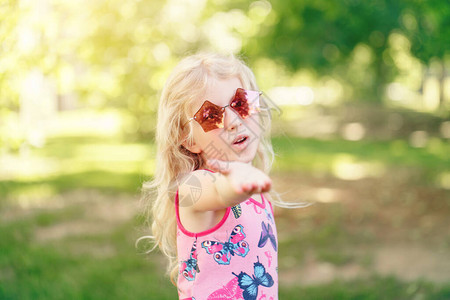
{"x": 238, "y": 140}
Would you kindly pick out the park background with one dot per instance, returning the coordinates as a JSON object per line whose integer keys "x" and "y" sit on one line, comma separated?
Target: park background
{"x": 364, "y": 93}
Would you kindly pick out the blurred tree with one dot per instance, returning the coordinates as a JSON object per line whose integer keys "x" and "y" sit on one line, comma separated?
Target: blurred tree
{"x": 326, "y": 36}
{"x": 99, "y": 54}
{"x": 10, "y": 66}
{"x": 124, "y": 55}
{"x": 427, "y": 26}
{"x": 8, "y": 58}
{"x": 118, "y": 53}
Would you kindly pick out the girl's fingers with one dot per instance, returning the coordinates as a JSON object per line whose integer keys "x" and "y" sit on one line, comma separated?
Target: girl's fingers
{"x": 265, "y": 186}
{"x": 255, "y": 187}
{"x": 250, "y": 187}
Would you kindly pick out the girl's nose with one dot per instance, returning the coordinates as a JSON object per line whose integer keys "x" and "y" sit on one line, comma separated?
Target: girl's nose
{"x": 232, "y": 119}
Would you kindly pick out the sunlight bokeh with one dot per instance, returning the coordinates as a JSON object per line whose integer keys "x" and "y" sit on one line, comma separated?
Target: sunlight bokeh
{"x": 360, "y": 92}
{"x": 347, "y": 167}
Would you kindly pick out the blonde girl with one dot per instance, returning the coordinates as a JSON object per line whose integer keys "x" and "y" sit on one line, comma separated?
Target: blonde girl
{"x": 211, "y": 213}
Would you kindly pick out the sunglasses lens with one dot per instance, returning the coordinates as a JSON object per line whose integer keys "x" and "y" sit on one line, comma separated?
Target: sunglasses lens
{"x": 209, "y": 116}
{"x": 245, "y": 102}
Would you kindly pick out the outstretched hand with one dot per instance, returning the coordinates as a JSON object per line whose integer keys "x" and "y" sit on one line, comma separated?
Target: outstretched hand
{"x": 243, "y": 177}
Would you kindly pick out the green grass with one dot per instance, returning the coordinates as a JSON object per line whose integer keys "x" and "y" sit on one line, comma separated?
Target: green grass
{"x": 63, "y": 270}
{"x": 108, "y": 165}
{"x": 60, "y": 269}
{"x": 328, "y": 238}
{"x": 109, "y": 182}
{"x": 105, "y": 265}
{"x": 294, "y": 154}
{"x": 372, "y": 288}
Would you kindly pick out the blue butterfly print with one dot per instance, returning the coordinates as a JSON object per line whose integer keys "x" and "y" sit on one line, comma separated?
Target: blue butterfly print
{"x": 189, "y": 267}
{"x": 222, "y": 252}
{"x": 249, "y": 284}
{"x": 267, "y": 234}
{"x": 269, "y": 215}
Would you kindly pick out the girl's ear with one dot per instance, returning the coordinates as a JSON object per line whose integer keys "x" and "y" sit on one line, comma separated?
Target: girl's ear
{"x": 192, "y": 147}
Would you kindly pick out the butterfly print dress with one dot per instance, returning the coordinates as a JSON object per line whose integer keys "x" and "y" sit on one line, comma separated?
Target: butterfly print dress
{"x": 236, "y": 259}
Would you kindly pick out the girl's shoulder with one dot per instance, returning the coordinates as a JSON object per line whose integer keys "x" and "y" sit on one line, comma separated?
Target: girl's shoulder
{"x": 197, "y": 187}
{"x": 199, "y": 180}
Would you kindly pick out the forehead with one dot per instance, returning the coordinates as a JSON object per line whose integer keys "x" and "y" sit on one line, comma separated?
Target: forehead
{"x": 219, "y": 91}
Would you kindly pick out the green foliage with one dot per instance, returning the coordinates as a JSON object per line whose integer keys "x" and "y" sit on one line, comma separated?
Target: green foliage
{"x": 323, "y": 36}
{"x": 10, "y": 62}
{"x": 427, "y": 25}
{"x": 118, "y": 54}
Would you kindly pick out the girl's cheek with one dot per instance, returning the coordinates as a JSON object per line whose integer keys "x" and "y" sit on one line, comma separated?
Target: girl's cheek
{"x": 255, "y": 125}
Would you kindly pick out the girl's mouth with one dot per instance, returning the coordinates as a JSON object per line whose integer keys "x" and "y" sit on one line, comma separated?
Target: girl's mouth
{"x": 240, "y": 140}
{"x": 241, "y": 143}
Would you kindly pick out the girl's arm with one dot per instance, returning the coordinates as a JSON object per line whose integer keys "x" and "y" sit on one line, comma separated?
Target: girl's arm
{"x": 232, "y": 183}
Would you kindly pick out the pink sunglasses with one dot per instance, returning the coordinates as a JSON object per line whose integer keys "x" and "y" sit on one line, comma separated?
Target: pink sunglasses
{"x": 210, "y": 115}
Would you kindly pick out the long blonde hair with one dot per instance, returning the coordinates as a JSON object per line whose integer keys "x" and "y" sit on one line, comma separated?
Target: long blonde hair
{"x": 188, "y": 81}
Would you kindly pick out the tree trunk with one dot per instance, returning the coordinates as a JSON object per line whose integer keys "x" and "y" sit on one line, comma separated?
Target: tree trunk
{"x": 442, "y": 85}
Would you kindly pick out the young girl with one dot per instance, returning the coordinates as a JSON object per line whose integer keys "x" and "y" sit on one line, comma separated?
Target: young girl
{"x": 212, "y": 216}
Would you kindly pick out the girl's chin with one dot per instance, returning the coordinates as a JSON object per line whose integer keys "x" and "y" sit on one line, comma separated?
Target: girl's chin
{"x": 245, "y": 158}
{"x": 242, "y": 159}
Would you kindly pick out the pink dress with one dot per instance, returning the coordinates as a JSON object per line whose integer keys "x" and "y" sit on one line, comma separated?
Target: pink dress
{"x": 236, "y": 259}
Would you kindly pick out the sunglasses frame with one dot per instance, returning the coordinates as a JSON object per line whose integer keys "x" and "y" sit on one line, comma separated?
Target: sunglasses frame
{"x": 222, "y": 109}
